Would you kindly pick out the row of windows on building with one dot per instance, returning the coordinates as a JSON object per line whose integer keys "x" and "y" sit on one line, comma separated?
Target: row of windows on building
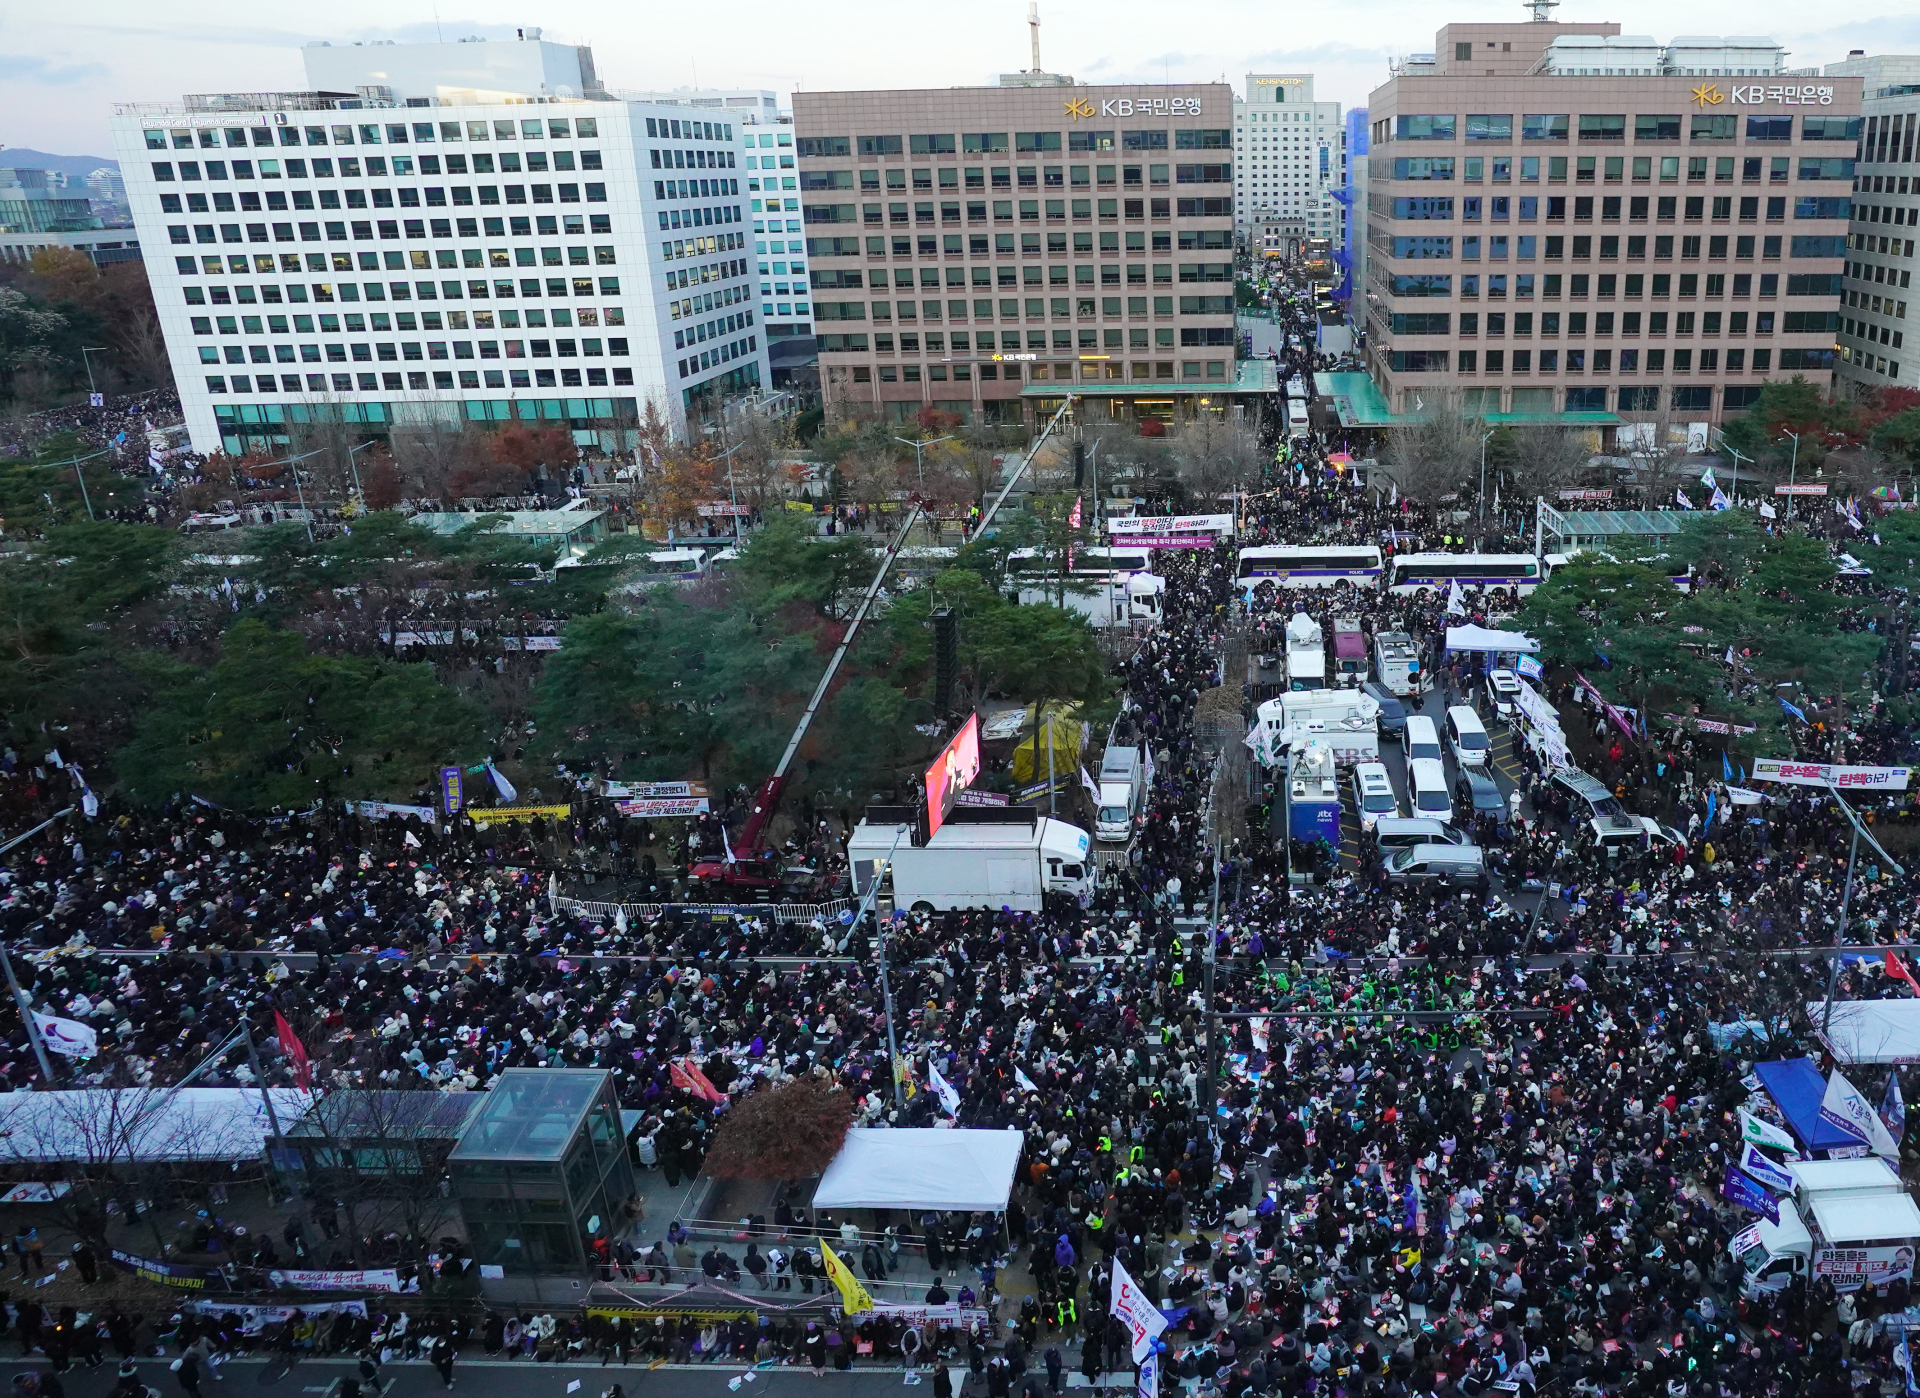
{"x": 1020, "y": 177}
{"x": 1875, "y": 334}
{"x": 392, "y": 133}
{"x": 1037, "y": 308}
{"x": 1101, "y": 370}
{"x": 1606, "y": 285}
{"x": 1526, "y": 247}
{"x": 1088, "y": 139}
{"x": 1666, "y": 209}
{"x": 1881, "y": 275}
{"x": 1863, "y": 358}
{"x": 950, "y": 245}
{"x": 404, "y": 197}
{"x": 1612, "y": 169}
{"x": 330, "y": 322}
{"x": 499, "y": 289}
{"x": 1612, "y": 126}
{"x": 982, "y": 342}
{"x": 442, "y": 380}
{"x": 387, "y": 351}
{"x": 352, "y": 167}
{"x": 718, "y": 356}
{"x": 1607, "y": 361}
{"x": 1630, "y": 323}
{"x": 1889, "y": 139}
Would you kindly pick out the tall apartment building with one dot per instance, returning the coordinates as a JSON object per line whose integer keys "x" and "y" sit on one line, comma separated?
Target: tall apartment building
{"x": 974, "y": 250}
{"x": 1350, "y": 256}
{"x": 1561, "y": 219}
{"x": 1289, "y": 157}
{"x": 437, "y": 232}
{"x": 1886, "y": 214}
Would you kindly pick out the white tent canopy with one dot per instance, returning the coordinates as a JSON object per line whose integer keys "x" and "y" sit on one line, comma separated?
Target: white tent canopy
{"x": 106, "y": 1128}
{"x": 1483, "y": 638}
{"x": 921, "y": 1168}
{"x": 1869, "y": 1031}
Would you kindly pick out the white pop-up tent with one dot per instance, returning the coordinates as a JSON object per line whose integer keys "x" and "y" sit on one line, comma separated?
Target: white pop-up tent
{"x": 1869, "y": 1031}
{"x": 921, "y": 1168}
{"x": 1481, "y": 638}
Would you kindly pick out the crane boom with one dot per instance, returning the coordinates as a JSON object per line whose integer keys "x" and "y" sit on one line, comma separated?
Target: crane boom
{"x": 768, "y": 798}
{"x": 987, "y": 519}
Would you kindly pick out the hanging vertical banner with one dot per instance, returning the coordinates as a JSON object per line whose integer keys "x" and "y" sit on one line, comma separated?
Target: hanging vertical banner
{"x": 452, "y": 798}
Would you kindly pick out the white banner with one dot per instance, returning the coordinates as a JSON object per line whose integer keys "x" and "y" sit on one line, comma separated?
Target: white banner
{"x": 1141, "y": 1317}
{"x": 691, "y": 806}
{"x": 931, "y": 1315}
{"x": 384, "y": 1280}
{"x": 1745, "y": 1241}
{"x": 68, "y": 1037}
{"x": 655, "y": 791}
{"x": 254, "y": 1319}
{"x": 1170, "y": 524}
{"x": 1849, "y": 1269}
{"x": 36, "y": 1192}
{"x": 1786, "y": 769}
{"x": 382, "y": 810}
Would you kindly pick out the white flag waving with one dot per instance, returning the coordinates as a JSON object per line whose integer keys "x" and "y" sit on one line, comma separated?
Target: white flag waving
{"x": 1845, "y": 1108}
{"x": 1456, "y": 599}
{"x": 67, "y": 1036}
{"x": 949, "y": 1097}
{"x": 1141, "y": 1317}
{"x": 1026, "y": 1083}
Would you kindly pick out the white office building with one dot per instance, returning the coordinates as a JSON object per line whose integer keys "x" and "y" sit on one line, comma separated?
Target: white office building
{"x": 433, "y": 232}
{"x": 1289, "y": 156}
{"x": 1878, "y": 282}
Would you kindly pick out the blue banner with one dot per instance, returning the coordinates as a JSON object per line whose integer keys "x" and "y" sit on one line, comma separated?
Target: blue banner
{"x": 1736, "y": 1188}
{"x": 1765, "y": 1169}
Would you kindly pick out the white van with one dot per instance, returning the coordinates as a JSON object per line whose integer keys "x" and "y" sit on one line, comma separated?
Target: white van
{"x": 1373, "y": 797}
{"x": 1429, "y": 782}
{"x": 1420, "y": 739}
{"x": 1467, "y": 736}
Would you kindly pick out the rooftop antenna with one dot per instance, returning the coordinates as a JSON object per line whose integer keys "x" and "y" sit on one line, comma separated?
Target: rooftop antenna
{"x": 1541, "y": 9}
{"x": 1033, "y": 27}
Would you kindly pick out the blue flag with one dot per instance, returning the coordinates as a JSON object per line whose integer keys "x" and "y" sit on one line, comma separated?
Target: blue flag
{"x": 1712, "y": 801}
{"x": 1737, "y": 1188}
{"x": 1893, "y": 1109}
{"x": 1726, "y": 768}
{"x": 1785, "y": 707}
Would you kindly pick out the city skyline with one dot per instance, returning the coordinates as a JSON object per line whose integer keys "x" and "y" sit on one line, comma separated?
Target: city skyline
{"x": 61, "y": 78}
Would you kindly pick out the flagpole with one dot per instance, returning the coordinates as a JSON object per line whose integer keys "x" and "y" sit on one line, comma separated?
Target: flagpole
{"x": 266, "y": 1097}
{"x": 26, "y": 1013}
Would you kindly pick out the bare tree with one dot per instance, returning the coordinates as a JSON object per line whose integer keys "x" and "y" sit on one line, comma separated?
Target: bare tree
{"x": 1213, "y": 453}
{"x": 1437, "y": 453}
{"x": 430, "y": 458}
{"x": 382, "y": 1155}
{"x": 1538, "y": 461}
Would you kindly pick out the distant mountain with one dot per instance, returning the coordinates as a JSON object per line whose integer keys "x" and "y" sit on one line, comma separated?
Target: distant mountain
{"x": 76, "y": 166}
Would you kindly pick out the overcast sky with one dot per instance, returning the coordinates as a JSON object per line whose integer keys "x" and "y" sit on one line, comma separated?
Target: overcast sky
{"x": 61, "y": 70}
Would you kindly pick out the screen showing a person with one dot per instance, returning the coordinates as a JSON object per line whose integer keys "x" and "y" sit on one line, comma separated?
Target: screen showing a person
{"x": 952, "y": 772}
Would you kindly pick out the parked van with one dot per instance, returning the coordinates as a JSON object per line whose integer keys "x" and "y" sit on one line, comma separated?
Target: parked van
{"x": 1373, "y": 797}
{"x": 1467, "y": 736}
{"x": 1428, "y": 779}
{"x": 1123, "y": 788}
{"x": 1450, "y": 866}
{"x": 1396, "y": 833}
{"x": 1420, "y": 739}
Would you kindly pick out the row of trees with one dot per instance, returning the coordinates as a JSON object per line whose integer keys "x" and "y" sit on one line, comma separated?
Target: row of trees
{"x": 1766, "y": 597}
{"x": 59, "y": 303}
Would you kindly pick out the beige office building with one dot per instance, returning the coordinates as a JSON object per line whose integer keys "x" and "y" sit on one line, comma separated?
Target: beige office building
{"x": 982, "y": 251}
{"x": 1565, "y": 223}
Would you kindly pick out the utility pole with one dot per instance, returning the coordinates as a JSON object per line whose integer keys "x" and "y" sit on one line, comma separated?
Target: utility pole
{"x": 86, "y": 353}
{"x": 266, "y": 1097}
{"x": 81, "y": 477}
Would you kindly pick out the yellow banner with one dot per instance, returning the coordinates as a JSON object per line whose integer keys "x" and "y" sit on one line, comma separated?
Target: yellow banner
{"x": 494, "y": 814}
{"x": 854, "y": 1299}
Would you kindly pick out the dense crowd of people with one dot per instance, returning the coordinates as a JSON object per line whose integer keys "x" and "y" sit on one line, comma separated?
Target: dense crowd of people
{"x": 1437, "y": 1143}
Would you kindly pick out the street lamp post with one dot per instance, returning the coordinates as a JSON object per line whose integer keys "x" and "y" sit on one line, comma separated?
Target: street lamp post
{"x": 1483, "y": 481}
{"x": 355, "y": 470}
{"x": 86, "y": 351}
{"x": 733, "y": 494}
{"x": 880, "y": 944}
{"x": 919, "y": 449}
{"x": 81, "y": 477}
{"x": 299, "y": 490}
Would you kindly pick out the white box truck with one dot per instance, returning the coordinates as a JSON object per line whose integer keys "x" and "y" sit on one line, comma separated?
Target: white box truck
{"x": 1850, "y": 1221}
{"x": 1123, "y": 793}
{"x": 992, "y": 861}
{"x": 1345, "y": 721}
{"x": 1396, "y": 660}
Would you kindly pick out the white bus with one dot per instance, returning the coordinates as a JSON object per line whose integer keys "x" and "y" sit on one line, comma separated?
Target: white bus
{"x": 669, "y": 566}
{"x": 1297, "y": 424}
{"x": 1101, "y": 583}
{"x": 1422, "y": 572}
{"x": 1309, "y": 565}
